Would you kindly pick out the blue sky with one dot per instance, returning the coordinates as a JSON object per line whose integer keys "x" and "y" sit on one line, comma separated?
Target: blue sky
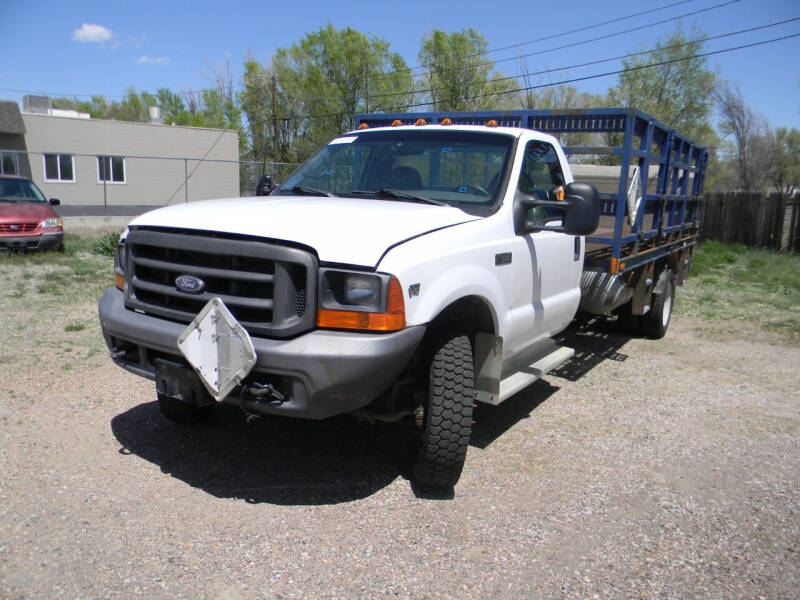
{"x": 84, "y": 48}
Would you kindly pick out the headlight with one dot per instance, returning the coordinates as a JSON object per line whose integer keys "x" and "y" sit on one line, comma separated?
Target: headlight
{"x": 51, "y": 223}
{"x": 365, "y": 301}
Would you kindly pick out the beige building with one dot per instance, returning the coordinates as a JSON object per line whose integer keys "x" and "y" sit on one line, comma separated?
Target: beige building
{"x": 94, "y": 162}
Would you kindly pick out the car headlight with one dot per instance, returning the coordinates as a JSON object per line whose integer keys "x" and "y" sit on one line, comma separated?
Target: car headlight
{"x": 51, "y": 223}
{"x": 364, "y": 301}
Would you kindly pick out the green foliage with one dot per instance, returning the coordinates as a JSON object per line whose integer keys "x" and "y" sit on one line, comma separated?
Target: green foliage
{"x": 107, "y": 244}
{"x": 331, "y": 74}
{"x": 740, "y": 283}
{"x": 785, "y": 160}
{"x": 459, "y": 76}
{"x": 680, "y": 93}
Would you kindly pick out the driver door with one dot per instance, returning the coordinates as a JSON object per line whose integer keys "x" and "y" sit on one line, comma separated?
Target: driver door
{"x": 547, "y": 264}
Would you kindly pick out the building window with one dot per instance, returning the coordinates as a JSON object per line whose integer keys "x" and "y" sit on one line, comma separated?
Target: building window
{"x": 9, "y": 163}
{"x": 111, "y": 169}
{"x": 59, "y": 167}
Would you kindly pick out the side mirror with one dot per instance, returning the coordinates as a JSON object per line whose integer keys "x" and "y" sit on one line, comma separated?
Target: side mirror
{"x": 264, "y": 186}
{"x": 579, "y": 212}
{"x": 55, "y": 201}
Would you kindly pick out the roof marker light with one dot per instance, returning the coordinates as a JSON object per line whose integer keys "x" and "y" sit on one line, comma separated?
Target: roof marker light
{"x": 363, "y": 126}
{"x": 446, "y": 121}
{"x": 420, "y": 121}
{"x": 396, "y": 123}
{"x": 491, "y": 123}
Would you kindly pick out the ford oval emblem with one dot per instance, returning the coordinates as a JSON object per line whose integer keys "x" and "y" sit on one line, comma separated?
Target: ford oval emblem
{"x": 190, "y": 284}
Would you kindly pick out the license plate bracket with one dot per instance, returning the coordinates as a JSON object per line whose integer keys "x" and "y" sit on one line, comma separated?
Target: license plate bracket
{"x": 178, "y": 382}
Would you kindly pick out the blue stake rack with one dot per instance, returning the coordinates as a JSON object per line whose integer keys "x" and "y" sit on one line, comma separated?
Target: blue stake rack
{"x": 668, "y": 218}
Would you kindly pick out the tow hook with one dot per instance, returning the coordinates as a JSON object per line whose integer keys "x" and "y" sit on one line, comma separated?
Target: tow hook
{"x": 263, "y": 392}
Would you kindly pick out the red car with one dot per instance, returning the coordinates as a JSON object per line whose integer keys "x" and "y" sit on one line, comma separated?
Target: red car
{"x": 27, "y": 221}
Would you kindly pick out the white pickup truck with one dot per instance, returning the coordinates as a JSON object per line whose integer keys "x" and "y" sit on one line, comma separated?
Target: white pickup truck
{"x": 401, "y": 274}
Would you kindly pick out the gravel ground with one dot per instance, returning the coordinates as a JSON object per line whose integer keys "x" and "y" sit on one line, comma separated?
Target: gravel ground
{"x": 639, "y": 469}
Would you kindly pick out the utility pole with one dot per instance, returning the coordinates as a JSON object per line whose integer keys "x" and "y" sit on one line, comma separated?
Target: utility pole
{"x": 275, "y": 121}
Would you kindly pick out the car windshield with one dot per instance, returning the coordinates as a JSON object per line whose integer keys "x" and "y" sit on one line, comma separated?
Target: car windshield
{"x": 19, "y": 190}
{"x": 460, "y": 168}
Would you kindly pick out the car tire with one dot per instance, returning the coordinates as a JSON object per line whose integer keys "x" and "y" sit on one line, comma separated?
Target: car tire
{"x": 656, "y": 322}
{"x": 183, "y": 412}
{"x": 443, "y": 435}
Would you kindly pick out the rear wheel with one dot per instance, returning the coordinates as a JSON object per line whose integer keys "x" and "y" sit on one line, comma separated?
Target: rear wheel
{"x": 655, "y": 322}
{"x": 446, "y": 415}
{"x": 183, "y": 412}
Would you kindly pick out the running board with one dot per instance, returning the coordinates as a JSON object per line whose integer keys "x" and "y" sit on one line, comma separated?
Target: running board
{"x": 526, "y": 376}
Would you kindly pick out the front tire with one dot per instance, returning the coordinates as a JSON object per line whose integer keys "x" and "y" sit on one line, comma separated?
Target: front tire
{"x": 446, "y": 426}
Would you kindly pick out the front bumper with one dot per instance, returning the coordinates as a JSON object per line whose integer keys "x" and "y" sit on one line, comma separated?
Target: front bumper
{"x": 43, "y": 241}
{"x": 323, "y": 373}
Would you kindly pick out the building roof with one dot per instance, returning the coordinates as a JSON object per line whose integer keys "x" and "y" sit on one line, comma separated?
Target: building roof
{"x": 11, "y": 119}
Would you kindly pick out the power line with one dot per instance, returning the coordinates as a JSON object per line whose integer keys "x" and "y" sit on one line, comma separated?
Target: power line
{"x": 586, "y": 27}
{"x": 491, "y": 63}
{"x": 602, "y": 37}
{"x": 617, "y": 72}
{"x": 430, "y": 71}
{"x": 573, "y": 80}
{"x": 603, "y": 60}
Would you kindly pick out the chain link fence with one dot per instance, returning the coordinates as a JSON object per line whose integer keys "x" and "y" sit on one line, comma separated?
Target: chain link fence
{"x": 98, "y": 184}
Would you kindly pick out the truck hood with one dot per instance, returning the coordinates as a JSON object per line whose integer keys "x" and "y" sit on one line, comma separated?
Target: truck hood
{"x": 352, "y": 231}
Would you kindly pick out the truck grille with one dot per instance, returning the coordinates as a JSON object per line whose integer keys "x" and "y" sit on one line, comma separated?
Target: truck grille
{"x": 266, "y": 286}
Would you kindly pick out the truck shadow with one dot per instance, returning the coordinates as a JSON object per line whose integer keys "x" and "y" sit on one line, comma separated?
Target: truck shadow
{"x": 595, "y": 341}
{"x": 298, "y": 462}
{"x": 270, "y": 459}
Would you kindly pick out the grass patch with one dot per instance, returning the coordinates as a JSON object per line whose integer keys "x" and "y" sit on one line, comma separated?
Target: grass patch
{"x": 77, "y": 273}
{"x": 740, "y": 283}
{"x": 75, "y": 326}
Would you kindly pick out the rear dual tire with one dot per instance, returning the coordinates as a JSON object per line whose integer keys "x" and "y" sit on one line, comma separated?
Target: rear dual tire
{"x": 654, "y": 324}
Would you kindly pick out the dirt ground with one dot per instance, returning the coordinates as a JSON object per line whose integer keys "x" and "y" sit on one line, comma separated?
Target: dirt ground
{"x": 639, "y": 469}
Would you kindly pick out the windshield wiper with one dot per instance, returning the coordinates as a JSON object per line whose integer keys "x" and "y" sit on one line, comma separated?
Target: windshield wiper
{"x": 399, "y": 195}
{"x": 308, "y": 191}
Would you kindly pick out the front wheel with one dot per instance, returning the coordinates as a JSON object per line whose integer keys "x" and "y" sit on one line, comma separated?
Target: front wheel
{"x": 446, "y": 422}
{"x": 655, "y": 322}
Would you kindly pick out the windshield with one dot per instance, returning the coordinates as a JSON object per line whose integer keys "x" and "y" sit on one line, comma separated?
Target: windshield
{"x": 453, "y": 167}
{"x": 19, "y": 190}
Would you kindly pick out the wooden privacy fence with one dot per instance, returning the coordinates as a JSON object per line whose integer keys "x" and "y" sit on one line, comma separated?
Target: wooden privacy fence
{"x": 752, "y": 219}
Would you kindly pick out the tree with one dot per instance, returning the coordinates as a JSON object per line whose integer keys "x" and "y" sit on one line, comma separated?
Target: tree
{"x": 671, "y": 85}
{"x": 458, "y": 74}
{"x": 784, "y": 173}
{"x": 329, "y": 76}
{"x": 748, "y": 149}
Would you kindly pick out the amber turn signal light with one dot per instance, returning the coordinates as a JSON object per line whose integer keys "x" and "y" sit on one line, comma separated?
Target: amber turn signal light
{"x": 119, "y": 280}
{"x": 394, "y": 319}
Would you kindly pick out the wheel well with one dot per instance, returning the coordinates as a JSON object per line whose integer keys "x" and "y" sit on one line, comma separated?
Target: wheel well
{"x": 466, "y": 315}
